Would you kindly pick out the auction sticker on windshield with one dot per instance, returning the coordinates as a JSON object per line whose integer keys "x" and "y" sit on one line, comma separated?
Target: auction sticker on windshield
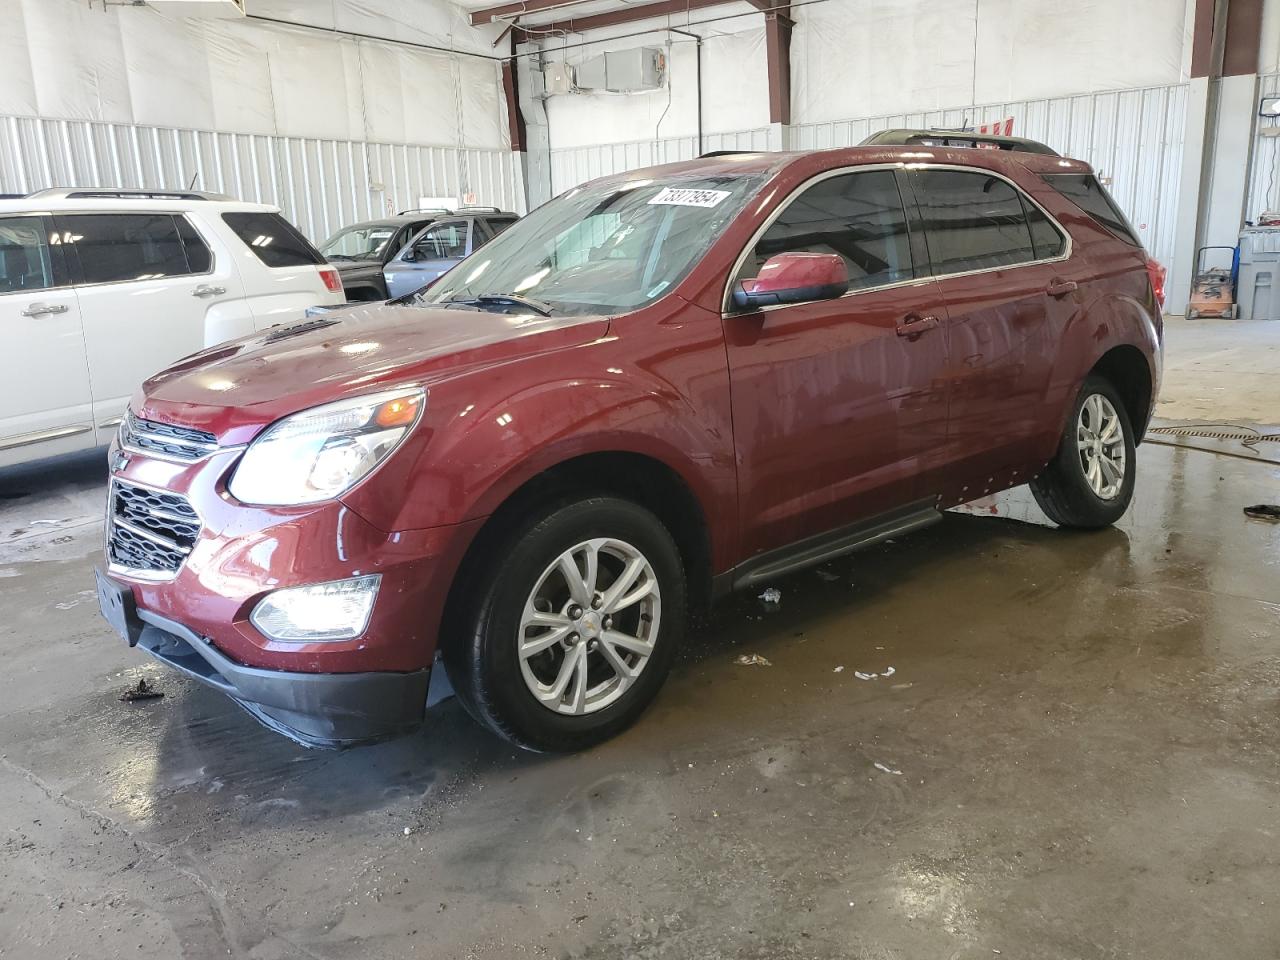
{"x": 689, "y": 197}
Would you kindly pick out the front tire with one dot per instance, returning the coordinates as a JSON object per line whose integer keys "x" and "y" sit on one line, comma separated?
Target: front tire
{"x": 573, "y": 626}
{"x": 1089, "y": 482}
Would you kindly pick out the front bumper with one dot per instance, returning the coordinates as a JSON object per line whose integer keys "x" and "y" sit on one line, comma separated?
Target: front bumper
{"x": 314, "y": 709}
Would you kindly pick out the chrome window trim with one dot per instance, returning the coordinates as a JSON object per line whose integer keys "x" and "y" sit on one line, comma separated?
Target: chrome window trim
{"x": 726, "y": 303}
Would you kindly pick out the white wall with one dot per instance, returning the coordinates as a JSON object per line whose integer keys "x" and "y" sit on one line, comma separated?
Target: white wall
{"x": 66, "y": 60}
{"x": 735, "y": 91}
{"x": 869, "y": 58}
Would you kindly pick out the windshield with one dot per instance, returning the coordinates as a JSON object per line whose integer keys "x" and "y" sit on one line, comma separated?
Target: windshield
{"x": 601, "y": 248}
{"x": 358, "y": 243}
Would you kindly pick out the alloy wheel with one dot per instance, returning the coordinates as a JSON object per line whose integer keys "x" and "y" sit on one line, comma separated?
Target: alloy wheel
{"x": 589, "y": 626}
{"x": 1100, "y": 441}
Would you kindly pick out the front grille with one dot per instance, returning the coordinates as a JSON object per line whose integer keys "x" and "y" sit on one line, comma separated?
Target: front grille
{"x": 165, "y": 439}
{"x": 149, "y": 531}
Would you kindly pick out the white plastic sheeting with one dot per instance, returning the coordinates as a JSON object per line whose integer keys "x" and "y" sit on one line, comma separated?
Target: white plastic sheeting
{"x": 1264, "y": 174}
{"x": 123, "y": 64}
{"x": 887, "y": 56}
{"x": 320, "y": 184}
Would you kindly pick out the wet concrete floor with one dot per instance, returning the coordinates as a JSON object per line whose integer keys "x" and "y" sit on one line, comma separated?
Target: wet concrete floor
{"x": 1075, "y": 755}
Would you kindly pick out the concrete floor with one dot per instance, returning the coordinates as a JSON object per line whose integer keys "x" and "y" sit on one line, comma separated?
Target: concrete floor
{"x": 1075, "y": 756}
{"x": 1221, "y": 370}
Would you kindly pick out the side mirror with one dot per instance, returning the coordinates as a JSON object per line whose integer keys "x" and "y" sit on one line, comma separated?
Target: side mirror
{"x": 410, "y": 255}
{"x": 793, "y": 278}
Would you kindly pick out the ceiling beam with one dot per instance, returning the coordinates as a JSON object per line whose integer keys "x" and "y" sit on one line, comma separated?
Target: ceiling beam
{"x": 509, "y": 10}
{"x": 627, "y": 14}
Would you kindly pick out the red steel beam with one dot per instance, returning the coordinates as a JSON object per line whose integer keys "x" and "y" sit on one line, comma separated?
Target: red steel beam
{"x": 515, "y": 117}
{"x": 1243, "y": 39}
{"x": 628, "y": 14}
{"x": 777, "y": 36}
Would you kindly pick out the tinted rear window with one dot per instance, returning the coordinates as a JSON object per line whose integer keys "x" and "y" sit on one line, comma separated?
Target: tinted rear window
{"x": 1090, "y": 196}
{"x": 973, "y": 221}
{"x": 273, "y": 239}
{"x": 116, "y": 247}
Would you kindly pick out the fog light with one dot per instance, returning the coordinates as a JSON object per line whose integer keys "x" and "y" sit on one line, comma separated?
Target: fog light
{"x": 338, "y": 610}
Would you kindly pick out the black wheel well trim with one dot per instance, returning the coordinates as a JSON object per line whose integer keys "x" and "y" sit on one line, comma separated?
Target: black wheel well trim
{"x": 1126, "y": 368}
{"x": 636, "y": 477}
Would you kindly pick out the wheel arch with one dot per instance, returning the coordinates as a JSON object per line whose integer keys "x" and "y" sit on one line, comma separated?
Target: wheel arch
{"x": 640, "y": 477}
{"x": 1125, "y": 367}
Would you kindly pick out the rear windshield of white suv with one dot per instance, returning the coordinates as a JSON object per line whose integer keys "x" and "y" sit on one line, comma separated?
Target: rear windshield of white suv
{"x": 273, "y": 239}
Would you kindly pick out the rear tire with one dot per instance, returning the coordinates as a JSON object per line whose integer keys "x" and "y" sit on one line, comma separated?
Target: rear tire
{"x": 557, "y": 662}
{"x": 1089, "y": 482}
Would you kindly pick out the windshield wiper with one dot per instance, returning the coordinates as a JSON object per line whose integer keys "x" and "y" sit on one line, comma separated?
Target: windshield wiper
{"x": 505, "y": 299}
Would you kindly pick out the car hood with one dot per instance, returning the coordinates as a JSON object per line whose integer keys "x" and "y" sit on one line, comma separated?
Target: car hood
{"x": 235, "y": 389}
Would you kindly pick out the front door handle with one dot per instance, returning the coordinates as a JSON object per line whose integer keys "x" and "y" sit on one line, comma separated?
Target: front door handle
{"x": 44, "y": 309}
{"x": 1060, "y": 288}
{"x": 204, "y": 290}
{"x": 913, "y": 325}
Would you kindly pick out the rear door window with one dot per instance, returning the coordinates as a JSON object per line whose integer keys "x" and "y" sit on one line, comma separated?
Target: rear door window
{"x": 273, "y": 239}
{"x": 973, "y": 221}
{"x": 120, "y": 247}
{"x": 498, "y": 224}
{"x": 858, "y": 216}
{"x": 1090, "y": 196}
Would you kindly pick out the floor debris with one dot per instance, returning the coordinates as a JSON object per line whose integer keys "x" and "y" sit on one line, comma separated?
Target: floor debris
{"x": 888, "y": 672}
{"x": 828, "y": 576}
{"x": 839, "y": 669}
{"x": 1263, "y": 511}
{"x": 881, "y": 766}
{"x": 143, "y": 691}
{"x": 751, "y": 660}
{"x": 771, "y": 595}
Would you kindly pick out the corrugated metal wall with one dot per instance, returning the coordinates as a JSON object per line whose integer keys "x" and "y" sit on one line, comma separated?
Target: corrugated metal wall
{"x": 1264, "y": 174}
{"x": 1132, "y": 137}
{"x": 571, "y": 166}
{"x": 320, "y": 185}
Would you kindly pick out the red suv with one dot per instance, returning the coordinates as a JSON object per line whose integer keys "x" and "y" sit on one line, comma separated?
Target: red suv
{"x": 659, "y": 387}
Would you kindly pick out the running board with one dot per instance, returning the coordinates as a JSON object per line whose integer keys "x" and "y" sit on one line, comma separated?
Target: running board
{"x": 827, "y": 546}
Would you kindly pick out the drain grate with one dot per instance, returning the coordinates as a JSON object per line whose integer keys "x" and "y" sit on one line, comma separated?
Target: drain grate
{"x": 1246, "y": 435}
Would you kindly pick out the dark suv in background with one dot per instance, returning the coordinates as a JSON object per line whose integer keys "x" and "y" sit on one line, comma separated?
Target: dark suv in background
{"x": 361, "y": 250}
{"x": 658, "y": 387}
{"x": 386, "y": 258}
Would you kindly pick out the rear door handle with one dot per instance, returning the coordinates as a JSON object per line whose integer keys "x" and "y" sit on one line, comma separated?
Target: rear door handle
{"x": 44, "y": 309}
{"x": 204, "y": 290}
{"x": 913, "y": 325}
{"x": 1060, "y": 288}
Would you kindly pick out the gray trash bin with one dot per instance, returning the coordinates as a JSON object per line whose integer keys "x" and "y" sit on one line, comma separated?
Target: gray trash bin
{"x": 1258, "y": 291}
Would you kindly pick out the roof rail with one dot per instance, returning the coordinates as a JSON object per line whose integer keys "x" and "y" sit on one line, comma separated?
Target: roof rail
{"x": 955, "y": 138}
{"x": 727, "y": 153}
{"x": 442, "y": 211}
{"x": 110, "y": 193}
{"x": 472, "y": 208}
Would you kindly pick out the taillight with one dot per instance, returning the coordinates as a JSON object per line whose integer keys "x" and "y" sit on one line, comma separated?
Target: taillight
{"x": 1157, "y": 275}
{"x": 332, "y": 279}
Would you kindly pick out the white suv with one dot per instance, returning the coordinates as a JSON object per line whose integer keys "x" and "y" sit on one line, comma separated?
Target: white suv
{"x": 99, "y": 289}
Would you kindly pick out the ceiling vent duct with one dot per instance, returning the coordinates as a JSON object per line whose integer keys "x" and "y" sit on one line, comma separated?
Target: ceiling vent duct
{"x": 624, "y": 71}
{"x": 205, "y": 9}
{"x": 557, "y": 78}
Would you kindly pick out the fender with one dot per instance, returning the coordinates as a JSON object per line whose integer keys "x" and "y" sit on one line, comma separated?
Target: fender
{"x": 1097, "y": 327}
{"x": 487, "y": 433}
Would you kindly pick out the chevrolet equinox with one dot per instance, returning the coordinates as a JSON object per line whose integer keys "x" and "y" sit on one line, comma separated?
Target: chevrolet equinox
{"x": 660, "y": 386}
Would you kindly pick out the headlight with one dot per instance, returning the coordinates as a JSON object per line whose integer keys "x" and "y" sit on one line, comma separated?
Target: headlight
{"x": 338, "y": 610}
{"x": 320, "y": 453}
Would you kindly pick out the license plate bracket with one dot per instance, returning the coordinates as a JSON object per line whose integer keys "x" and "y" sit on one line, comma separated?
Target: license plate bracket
{"x": 116, "y": 602}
